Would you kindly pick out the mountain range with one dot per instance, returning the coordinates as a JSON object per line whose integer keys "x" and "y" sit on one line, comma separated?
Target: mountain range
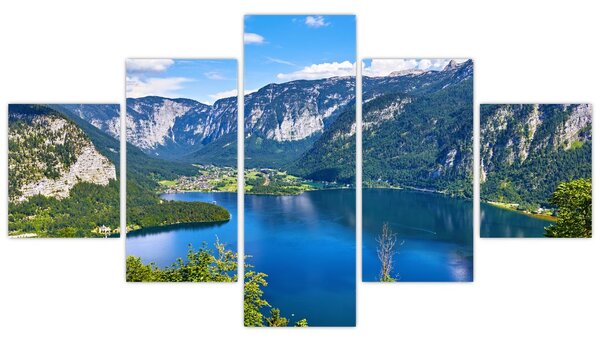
{"x": 304, "y": 126}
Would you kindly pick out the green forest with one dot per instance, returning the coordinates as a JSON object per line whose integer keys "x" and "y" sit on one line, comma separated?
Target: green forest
{"x": 88, "y": 207}
{"x": 174, "y": 212}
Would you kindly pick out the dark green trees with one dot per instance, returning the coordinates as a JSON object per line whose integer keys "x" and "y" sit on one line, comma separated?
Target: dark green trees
{"x": 574, "y": 202}
{"x": 200, "y": 266}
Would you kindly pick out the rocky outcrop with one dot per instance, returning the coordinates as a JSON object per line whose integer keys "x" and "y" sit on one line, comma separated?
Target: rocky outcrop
{"x": 49, "y": 155}
{"x": 90, "y": 166}
{"x": 174, "y": 127}
{"x": 510, "y": 134}
{"x": 527, "y": 149}
{"x": 296, "y": 110}
{"x": 377, "y": 116}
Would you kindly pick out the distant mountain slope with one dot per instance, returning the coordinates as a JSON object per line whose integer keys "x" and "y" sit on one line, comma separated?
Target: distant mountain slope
{"x": 49, "y": 154}
{"x": 527, "y": 149}
{"x": 173, "y": 128}
{"x": 105, "y": 117}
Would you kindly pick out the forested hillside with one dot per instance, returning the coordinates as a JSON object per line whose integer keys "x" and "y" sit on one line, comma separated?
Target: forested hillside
{"x": 422, "y": 141}
{"x": 528, "y": 149}
{"x": 332, "y": 157}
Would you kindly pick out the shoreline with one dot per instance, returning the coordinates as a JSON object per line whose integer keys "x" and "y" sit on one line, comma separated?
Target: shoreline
{"x": 508, "y": 207}
{"x": 421, "y": 190}
{"x": 131, "y": 230}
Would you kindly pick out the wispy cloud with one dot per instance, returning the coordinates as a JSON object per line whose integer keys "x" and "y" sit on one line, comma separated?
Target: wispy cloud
{"x": 164, "y": 87}
{"x": 252, "y": 38}
{"x": 214, "y": 75}
{"x": 225, "y": 94}
{"x": 148, "y": 65}
{"x": 315, "y": 21}
{"x": 320, "y": 71}
{"x": 280, "y": 61}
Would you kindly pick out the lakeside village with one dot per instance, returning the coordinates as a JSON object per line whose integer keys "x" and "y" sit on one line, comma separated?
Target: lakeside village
{"x": 212, "y": 178}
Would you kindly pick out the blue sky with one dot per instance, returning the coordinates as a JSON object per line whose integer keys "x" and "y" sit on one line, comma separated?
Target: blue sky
{"x": 383, "y": 67}
{"x": 279, "y": 48}
{"x": 203, "y": 80}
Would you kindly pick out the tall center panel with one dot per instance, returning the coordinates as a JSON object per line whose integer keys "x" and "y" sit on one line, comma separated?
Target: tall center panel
{"x": 299, "y": 139}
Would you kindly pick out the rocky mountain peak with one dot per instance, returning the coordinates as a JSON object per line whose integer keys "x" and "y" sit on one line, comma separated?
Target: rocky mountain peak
{"x": 452, "y": 65}
{"x": 412, "y": 71}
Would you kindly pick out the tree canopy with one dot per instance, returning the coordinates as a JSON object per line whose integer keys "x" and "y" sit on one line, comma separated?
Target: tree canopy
{"x": 574, "y": 202}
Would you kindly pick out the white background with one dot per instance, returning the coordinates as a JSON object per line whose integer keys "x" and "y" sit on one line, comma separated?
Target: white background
{"x": 73, "y": 291}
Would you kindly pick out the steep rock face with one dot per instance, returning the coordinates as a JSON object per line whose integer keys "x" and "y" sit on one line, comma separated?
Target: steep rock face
{"x": 49, "y": 154}
{"x": 512, "y": 133}
{"x": 296, "y": 110}
{"x": 283, "y": 121}
{"x": 526, "y": 149}
{"x": 175, "y": 127}
{"x": 378, "y": 115}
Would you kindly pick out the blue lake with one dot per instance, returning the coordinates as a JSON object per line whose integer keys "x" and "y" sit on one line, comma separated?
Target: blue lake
{"x": 434, "y": 235}
{"x": 163, "y": 245}
{"x": 307, "y": 245}
{"x": 497, "y": 222}
{"x": 304, "y": 243}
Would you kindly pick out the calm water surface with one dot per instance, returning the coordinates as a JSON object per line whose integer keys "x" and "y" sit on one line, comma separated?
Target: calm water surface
{"x": 496, "y": 222}
{"x": 436, "y": 233}
{"x": 163, "y": 245}
{"x": 304, "y": 243}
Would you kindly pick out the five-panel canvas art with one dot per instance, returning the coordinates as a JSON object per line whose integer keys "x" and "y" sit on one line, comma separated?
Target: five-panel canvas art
{"x": 299, "y": 130}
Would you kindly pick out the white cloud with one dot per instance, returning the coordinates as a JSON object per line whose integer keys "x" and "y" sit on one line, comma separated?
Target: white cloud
{"x": 164, "y": 87}
{"x": 320, "y": 71}
{"x": 252, "y": 38}
{"x": 280, "y": 61}
{"x": 225, "y": 94}
{"x": 214, "y": 75}
{"x": 383, "y": 67}
{"x": 315, "y": 21}
{"x": 148, "y": 65}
